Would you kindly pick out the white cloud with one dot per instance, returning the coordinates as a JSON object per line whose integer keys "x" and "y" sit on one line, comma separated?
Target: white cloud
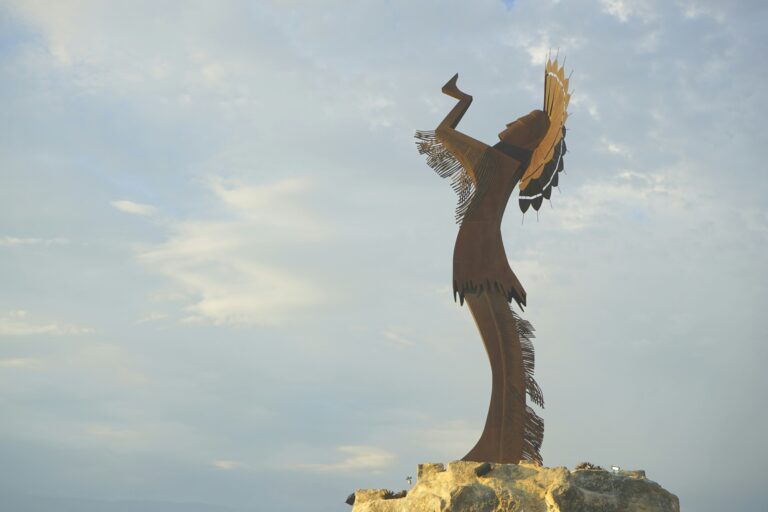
{"x": 615, "y": 148}
{"x": 692, "y": 10}
{"x": 378, "y": 110}
{"x": 110, "y": 432}
{"x": 152, "y": 317}
{"x": 540, "y": 44}
{"x": 19, "y": 323}
{"x": 584, "y": 100}
{"x": 277, "y": 206}
{"x": 530, "y": 265}
{"x": 397, "y": 337}
{"x": 26, "y": 363}
{"x": 108, "y": 361}
{"x": 133, "y": 208}
{"x": 227, "y": 464}
{"x": 174, "y": 62}
{"x": 627, "y": 190}
{"x": 623, "y": 10}
{"x": 537, "y": 46}
{"x": 649, "y": 43}
{"x": 10, "y": 241}
{"x": 358, "y": 458}
{"x": 220, "y": 266}
{"x": 755, "y": 221}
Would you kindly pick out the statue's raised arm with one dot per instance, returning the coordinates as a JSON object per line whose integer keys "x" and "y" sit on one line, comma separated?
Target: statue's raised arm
{"x": 465, "y": 149}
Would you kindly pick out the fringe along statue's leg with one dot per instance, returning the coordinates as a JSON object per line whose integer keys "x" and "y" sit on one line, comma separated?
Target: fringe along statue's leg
{"x": 513, "y": 432}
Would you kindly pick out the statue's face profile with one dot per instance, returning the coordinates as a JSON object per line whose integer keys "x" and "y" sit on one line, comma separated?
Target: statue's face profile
{"x": 527, "y": 131}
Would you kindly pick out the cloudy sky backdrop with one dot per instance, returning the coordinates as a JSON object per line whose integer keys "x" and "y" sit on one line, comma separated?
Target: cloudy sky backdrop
{"x": 225, "y": 270}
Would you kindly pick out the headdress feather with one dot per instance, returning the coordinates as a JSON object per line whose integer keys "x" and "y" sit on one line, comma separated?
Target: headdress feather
{"x": 547, "y": 159}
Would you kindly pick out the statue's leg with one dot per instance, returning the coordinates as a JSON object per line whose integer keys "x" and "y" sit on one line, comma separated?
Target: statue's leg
{"x": 502, "y": 439}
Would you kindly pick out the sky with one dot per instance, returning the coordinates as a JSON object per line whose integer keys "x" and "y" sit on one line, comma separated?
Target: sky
{"x": 226, "y": 271}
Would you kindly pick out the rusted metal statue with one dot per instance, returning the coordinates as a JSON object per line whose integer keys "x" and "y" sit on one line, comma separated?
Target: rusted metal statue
{"x": 530, "y": 153}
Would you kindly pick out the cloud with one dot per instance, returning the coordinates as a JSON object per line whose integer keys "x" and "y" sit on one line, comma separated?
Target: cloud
{"x": 9, "y": 241}
{"x": 18, "y": 323}
{"x": 358, "y": 458}
{"x": 278, "y": 207}
{"x": 397, "y": 337}
{"x": 26, "y": 363}
{"x": 133, "y": 208}
{"x": 378, "y": 110}
{"x": 623, "y": 10}
{"x": 221, "y": 268}
{"x": 583, "y": 100}
{"x": 649, "y": 43}
{"x": 693, "y": 10}
{"x": 110, "y": 433}
{"x": 152, "y": 317}
{"x": 538, "y": 52}
{"x": 625, "y": 193}
{"x": 614, "y": 148}
{"x": 227, "y": 464}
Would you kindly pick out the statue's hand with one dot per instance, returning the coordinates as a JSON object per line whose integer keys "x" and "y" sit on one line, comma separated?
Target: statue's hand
{"x": 452, "y": 90}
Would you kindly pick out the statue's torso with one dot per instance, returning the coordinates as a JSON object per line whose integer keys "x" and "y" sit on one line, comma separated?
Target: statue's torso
{"x": 479, "y": 259}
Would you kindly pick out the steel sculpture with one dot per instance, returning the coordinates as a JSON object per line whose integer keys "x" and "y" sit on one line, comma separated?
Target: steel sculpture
{"x": 529, "y": 154}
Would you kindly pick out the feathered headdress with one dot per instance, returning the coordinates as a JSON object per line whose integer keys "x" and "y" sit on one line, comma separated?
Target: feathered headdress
{"x": 547, "y": 159}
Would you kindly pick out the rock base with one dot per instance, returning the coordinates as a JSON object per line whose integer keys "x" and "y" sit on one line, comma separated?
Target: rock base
{"x": 483, "y": 487}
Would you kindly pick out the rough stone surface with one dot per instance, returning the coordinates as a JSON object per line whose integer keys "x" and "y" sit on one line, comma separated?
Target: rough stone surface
{"x": 522, "y": 488}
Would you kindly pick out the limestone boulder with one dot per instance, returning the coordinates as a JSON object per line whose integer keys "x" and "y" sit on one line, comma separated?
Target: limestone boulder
{"x": 475, "y": 487}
